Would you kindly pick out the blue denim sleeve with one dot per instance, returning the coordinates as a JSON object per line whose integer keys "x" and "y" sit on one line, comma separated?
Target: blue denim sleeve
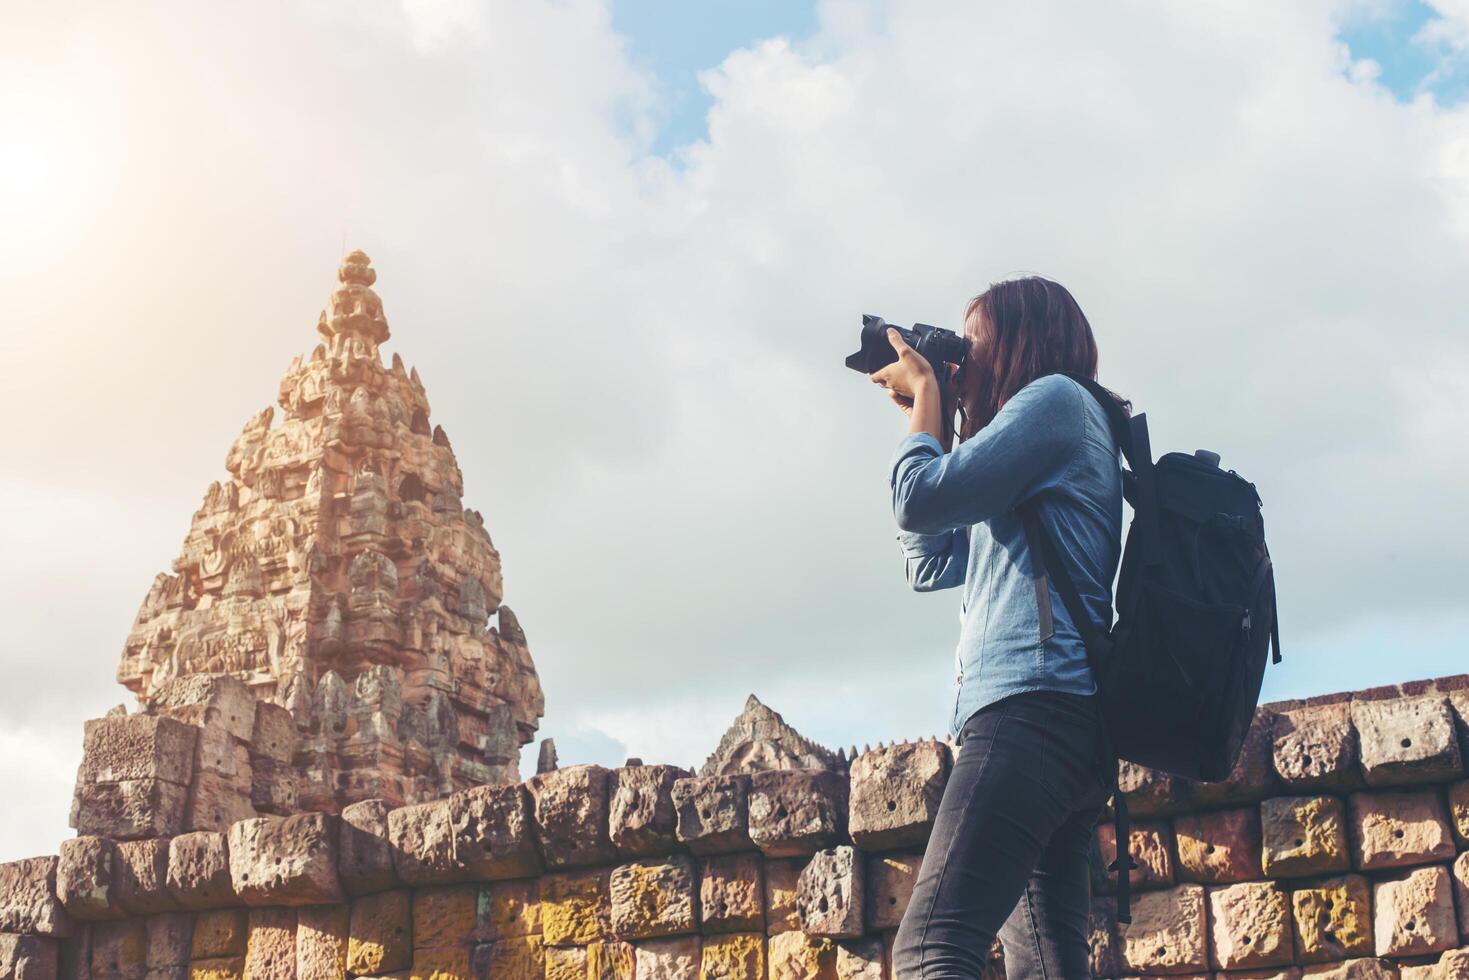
{"x": 935, "y": 561}
{"x": 1027, "y": 448}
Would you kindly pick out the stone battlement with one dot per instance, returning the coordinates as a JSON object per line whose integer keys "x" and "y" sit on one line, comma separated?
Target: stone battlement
{"x": 1335, "y": 849}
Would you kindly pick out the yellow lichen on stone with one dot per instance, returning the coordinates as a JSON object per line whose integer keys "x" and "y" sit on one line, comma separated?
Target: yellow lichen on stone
{"x": 220, "y": 933}
{"x": 1333, "y": 920}
{"x": 219, "y": 968}
{"x": 511, "y": 908}
{"x": 653, "y": 898}
{"x": 441, "y": 963}
{"x": 521, "y": 958}
{"x": 569, "y": 963}
{"x": 444, "y": 916}
{"x": 611, "y": 961}
{"x": 575, "y": 908}
{"x": 379, "y": 937}
{"x": 797, "y": 956}
{"x": 737, "y": 956}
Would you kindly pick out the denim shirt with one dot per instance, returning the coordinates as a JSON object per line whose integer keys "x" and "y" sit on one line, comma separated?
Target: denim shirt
{"x": 960, "y": 528}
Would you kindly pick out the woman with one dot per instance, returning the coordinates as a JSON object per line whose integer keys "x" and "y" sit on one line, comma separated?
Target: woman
{"x": 1009, "y": 852}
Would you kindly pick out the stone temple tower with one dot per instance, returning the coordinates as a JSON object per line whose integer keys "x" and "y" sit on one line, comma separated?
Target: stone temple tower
{"x": 337, "y": 575}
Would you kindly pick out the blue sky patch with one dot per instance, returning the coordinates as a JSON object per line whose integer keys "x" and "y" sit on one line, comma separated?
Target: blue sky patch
{"x": 1410, "y": 64}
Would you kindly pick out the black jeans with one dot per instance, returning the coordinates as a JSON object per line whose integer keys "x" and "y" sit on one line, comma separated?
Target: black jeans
{"x": 1010, "y": 849}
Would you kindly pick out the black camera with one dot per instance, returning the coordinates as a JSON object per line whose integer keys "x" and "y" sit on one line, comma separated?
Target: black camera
{"x": 937, "y": 345}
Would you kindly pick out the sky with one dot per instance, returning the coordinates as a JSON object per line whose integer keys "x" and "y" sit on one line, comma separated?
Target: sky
{"x": 626, "y": 247}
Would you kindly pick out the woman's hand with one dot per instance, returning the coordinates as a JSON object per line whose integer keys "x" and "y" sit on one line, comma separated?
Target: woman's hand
{"x": 904, "y": 377}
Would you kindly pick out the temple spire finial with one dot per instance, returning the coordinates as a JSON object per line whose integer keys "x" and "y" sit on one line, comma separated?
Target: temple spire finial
{"x": 354, "y": 310}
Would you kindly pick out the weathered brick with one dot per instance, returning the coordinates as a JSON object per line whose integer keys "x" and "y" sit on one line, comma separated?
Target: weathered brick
{"x": 1407, "y": 740}
{"x": 219, "y": 933}
{"x": 28, "y": 902}
{"x": 1152, "y": 793}
{"x": 422, "y": 841}
{"x": 1219, "y": 847}
{"x": 793, "y": 812}
{"x": 1458, "y": 796}
{"x": 285, "y": 860}
{"x": 576, "y": 907}
{"x": 1104, "y": 944}
{"x": 199, "y": 870}
{"x": 1365, "y": 968}
{"x": 733, "y": 956}
{"x": 274, "y": 735}
{"x": 86, "y": 878}
{"x": 859, "y": 959}
{"x": 270, "y": 949}
{"x": 321, "y": 940}
{"x": 120, "y": 748}
{"x": 218, "y": 701}
{"x": 28, "y": 957}
{"x": 1396, "y": 829}
{"x": 642, "y": 819}
{"x": 119, "y": 949}
{"x": 888, "y": 888}
{"x": 130, "y": 810}
{"x": 273, "y": 787}
{"x": 142, "y": 877}
{"x": 493, "y": 835}
{"x": 675, "y": 958}
{"x": 567, "y": 963}
{"x": 443, "y": 963}
{"x": 611, "y": 960}
{"x": 1460, "y": 872}
{"x": 1250, "y": 925}
{"x": 1333, "y": 919}
{"x": 1316, "y": 749}
{"x": 782, "y": 893}
{"x": 895, "y": 794}
{"x": 380, "y": 933}
{"x": 731, "y": 893}
{"x": 170, "y": 938}
{"x": 364, "y": 855}
{"x": 829, "y": 894}
{"x": 223, "y": 968}
{"x": 571, "y": 813}
{"x": 514, "y": 958}
{"x": 444, "y": 916}
{"x": 1167, "y": 932}
{"x": 1151, "y": 848}
{"x": 1413, "y": 913}
{"x": 510, "y": 909}
{"x": 653, "y": 897}
{"x": 713, "y": 813}
{"x": 1303, "y": 835}
{"x": 1253, "y": 776}
{"x": 797, "y": 956}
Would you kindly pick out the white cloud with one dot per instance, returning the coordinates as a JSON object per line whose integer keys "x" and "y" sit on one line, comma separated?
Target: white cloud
{"x": 639, "y": 363}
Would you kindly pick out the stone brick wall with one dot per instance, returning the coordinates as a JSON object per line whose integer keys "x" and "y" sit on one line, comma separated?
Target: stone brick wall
{"x": 1334, "y": 850}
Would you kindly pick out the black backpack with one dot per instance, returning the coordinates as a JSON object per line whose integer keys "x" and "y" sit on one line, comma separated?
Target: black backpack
{"x": 1179, "y": 673}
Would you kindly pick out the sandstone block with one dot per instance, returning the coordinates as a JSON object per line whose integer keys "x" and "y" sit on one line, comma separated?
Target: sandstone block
{"x": 888, "y": 888}
{"x": 493, "y": 835}
{"x": 285, "y": 860}
{"x": 1152, "y": 850}
{"x": 1253, "y": 776}
{"x": 321, "y": 939}
{"x": 216, "y": 802}
{"x": 1333, "y": 920}
{"x": 611, "y": 960}
{"x": 364, "y": 856}
{"x": 895, "y": 794}
{"x": 1315, "y": 749}
{"x": 782, "y": 892}
{"x": 797, "y": 956}
{"x": 422, "y": 841}
{"x": 130, "y": 810}
{"x": 523, "y": 956}
{"x": 1458, "y": 794}
{"x": 142, "y": 877}
{"x": 567, "y": 963}
{"x": 1250, "y": 924}
{"x": 733, "y": 956}
{"x": 1219, "y": 847}
{"x": 576, "y": 907}
{"x": 510, "y": 909}
{"x": 274, "y": 735}
{"x": 653, "y": 897}
{"x": 1407, "y": 740}
{"x": 219, "y": 933}
{"x": 28, "y": 957}
{"x": 642, "y": 819}
{"x": 443, "y": 963}
{"x": 199, "y": 870}
{"x": 170, "y": 938}
{"x": 792, "y": 812}
{"x": 207, "y": 700}
{"x": 1151, "y": 793}
{"x": 1365, "y": 968}
{"x": 1102, "y": 939}
{"x": 74, "y": 958}
{"x": 86, "y": 880}
{"x": 121, "y": 748}
{"x": 273, "y": 787}
{"x": 225, "y": 968}
{"x": 270, "y": 948}
{"x": 1460, "y": 872}
{"x": 859, "y": 959}
{"x": 380, "y": 933}
{"x": 1303, "y": 835}
{"x": 1396, "y": 829}
{"x": 829, "y": 894}
{"x": 675, "y": 958}
{"x": 28, "y": 902}
{"x": 571, "y": 813}
{"x": 1413, "y": 913}
{"x": 1453, "y": 965}
{"x": 1167, "y": 933}
{"x": 731, "y": 893}
{"x": 444, "y": 916}
{"x": 713, "y": 813}
{"x": 119, "y": 949}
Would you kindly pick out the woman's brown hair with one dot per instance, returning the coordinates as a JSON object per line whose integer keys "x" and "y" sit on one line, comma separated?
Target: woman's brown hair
{"x": 1020, "y": 330}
